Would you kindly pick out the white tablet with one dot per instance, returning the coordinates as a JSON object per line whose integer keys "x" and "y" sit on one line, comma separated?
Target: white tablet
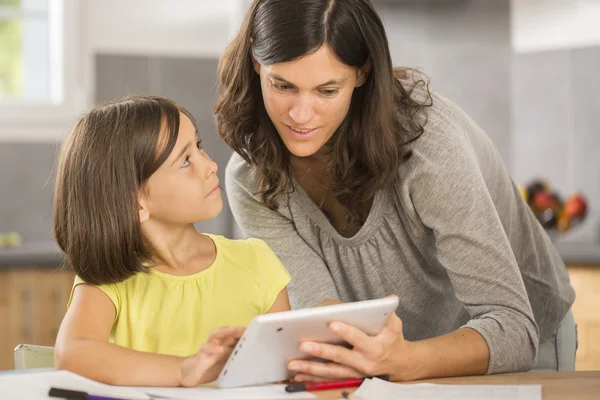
{"x": 272, "y": 340}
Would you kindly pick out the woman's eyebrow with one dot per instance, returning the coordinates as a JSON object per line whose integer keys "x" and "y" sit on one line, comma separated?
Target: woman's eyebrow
{"x": 329, "y": 82}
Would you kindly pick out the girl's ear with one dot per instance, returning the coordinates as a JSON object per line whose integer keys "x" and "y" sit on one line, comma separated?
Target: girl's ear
{"x": 362, "y": 74}
{"x": 144, "y": 216}
{"x": 144, "y": 211}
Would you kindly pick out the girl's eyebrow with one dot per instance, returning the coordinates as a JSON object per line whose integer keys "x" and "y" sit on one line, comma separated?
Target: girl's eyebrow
{"x": 181, "y": 153}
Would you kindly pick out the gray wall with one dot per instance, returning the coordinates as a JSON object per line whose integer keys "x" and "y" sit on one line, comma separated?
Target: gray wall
{"x": 555, "y": 108}
{"x": 26, "y": 185}
{"x": 27, "y": 169}
{"x": 464, "y": 48}
{"x": 539, "y": 109}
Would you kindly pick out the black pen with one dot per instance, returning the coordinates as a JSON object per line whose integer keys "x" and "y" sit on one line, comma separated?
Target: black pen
{"x": 76, "y": 395}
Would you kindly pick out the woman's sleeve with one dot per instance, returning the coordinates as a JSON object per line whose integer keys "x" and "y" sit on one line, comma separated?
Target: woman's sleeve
{"x": 450, "y": 196}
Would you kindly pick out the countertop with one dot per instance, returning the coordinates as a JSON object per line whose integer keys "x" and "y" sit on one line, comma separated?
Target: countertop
{"x": 47, "y": 254}
{"x": 579, "y": 253}
{"x": 32, "y": 254}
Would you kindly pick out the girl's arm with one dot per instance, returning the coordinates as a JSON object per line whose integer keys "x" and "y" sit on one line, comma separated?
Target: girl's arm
{"x": 82, "y": 347}
{"x": 282, "y": 302}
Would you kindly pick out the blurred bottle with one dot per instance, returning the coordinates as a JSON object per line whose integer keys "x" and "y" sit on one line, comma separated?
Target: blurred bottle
{"x": 551, "y": 211}
{"x": 10, "y": 239}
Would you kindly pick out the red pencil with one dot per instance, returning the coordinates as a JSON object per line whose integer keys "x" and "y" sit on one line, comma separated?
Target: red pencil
{"x": 324, "y": 385}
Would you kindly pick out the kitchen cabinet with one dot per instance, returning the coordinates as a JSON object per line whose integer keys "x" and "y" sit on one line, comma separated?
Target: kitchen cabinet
{"x": 586, "y": 310}
{"x": 33, "y": 302}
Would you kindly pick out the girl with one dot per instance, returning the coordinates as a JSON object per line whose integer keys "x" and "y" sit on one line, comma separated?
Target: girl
{"x": 154, "y": 301}
{"x": 365, "y": 184}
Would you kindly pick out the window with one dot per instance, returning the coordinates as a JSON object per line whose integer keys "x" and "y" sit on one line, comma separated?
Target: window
{"x": 40, "y": 46}
{"x": 25, "y": 58}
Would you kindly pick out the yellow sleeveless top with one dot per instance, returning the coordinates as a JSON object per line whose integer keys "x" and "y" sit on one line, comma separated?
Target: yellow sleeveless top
{"x": 167, "y": 314}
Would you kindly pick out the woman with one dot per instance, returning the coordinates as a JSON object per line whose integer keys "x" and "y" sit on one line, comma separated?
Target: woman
{"x": 365, "y": 184}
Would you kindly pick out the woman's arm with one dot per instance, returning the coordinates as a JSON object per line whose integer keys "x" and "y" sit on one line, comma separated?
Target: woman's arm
{"x": 82, "y": 347}
{"x": 459, "y": 190}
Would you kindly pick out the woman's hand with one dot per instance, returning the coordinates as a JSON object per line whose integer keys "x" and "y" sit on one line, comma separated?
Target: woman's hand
{"x": 206, "y": 364}
{"x": 386, "y": 353}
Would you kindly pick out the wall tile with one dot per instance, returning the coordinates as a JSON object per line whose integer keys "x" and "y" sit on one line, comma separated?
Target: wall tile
{"x": 541, "y": 117}
{"x": 584, "y": 142}
{"x": 118, "y": 75}
{"x": 26, "y": 189}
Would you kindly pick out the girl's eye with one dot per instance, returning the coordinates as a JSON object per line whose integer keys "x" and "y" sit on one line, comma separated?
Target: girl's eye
{"x": 329, "y": 92}
{"x": 199, "y": 145}
{"x": 186, "y": 162}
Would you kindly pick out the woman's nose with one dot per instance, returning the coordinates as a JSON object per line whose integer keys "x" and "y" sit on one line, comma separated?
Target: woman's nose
{"x": 302, "y": 111}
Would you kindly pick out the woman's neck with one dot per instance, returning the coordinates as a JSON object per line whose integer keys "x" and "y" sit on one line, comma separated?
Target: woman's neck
{"x": 316, "y": 163}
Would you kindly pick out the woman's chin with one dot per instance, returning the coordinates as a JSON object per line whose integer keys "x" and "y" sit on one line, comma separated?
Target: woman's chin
{"x": 302, "y": 150}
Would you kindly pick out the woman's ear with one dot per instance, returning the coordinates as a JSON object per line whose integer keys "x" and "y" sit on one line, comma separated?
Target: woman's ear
{"x": 362, "y": 74}
{"x": 255, "y": 63}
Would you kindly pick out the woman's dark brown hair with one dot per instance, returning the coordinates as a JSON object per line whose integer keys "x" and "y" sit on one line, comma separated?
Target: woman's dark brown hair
{"x": 103, "y": 164}
{"x": 369, "y": 145}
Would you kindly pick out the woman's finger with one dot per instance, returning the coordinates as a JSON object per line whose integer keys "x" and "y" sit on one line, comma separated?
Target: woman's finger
{"x": 338, "y": 354}
{"x": 321, "y": 370}
{"x": 354, "y": 336}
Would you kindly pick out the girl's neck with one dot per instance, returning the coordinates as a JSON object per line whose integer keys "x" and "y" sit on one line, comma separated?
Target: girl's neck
{"x": 180, "y": 251}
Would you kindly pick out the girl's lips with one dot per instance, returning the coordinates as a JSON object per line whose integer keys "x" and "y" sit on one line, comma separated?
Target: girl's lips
{"x": 214, "y": 192}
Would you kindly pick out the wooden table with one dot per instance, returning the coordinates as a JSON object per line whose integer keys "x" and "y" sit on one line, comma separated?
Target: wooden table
{"x": 555, "y": 385}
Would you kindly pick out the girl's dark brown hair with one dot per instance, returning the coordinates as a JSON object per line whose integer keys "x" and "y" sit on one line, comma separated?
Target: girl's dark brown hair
{"x": 369, "y": 145}
{"x": 103, "y": 165}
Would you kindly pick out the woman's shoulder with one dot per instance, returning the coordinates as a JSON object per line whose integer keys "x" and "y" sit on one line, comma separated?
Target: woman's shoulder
{"x": 446, "y": 126}
{"x": 450, "y": 139}
{"x": 240, "y": 174}
{"x": 441, "y": 113}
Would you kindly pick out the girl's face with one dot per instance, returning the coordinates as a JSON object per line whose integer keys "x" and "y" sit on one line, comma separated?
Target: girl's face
{"x": 308, "y": 98}
{"x": 185, "y": 189}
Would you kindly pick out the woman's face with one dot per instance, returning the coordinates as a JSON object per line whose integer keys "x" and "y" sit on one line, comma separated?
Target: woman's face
{"x": 308, "y": 98}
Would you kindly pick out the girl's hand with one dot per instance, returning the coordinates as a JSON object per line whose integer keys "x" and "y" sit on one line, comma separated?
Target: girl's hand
{"x": 386, "y": 353}
{"x": 206, "y": 364}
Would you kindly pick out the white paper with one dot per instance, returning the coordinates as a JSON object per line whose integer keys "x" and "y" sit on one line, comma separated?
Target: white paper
{"x": 35, "y": 385}
{"x": 265, "y": 392}
{"x": 377, "y": 389}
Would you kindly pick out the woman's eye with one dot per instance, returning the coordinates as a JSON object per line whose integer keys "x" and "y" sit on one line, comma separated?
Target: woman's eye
{"x": 199, "y": 145}
{"x": 281, "y": 87}
{"x": 329, "y": 92}
{"x": 186, "y": 162}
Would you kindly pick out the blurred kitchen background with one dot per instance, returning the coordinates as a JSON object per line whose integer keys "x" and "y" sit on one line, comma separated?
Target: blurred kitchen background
{"x": 527, "y": 71}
